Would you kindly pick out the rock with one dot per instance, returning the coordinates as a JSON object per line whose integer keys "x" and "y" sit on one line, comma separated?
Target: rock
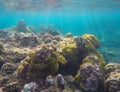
{"x": 1, "y": 61}
{"x": 3, "y": 33}
{"x": 69, "y": 35}
{"x": 41, "y": 62}
{"x": 8, "y": 68}
{"x": 90, "y": 74}
{"x": 87, "y": 42}
{"x": 30, "y": 87}
{"x": 3, "y": 80}
{"x": 69, "y": 79}
{"x": 49, "y": 81}
{"x": 29, "y": 41}
{"x": 91, "y": 77}
{"x": 12, "y": 87}
{"x": 53, "y": 33}
{"x": 21, "y": 26}
{"x": 1, "y": 47}
{"x": 112, "y": 78}
{"x": 60, "y": 82}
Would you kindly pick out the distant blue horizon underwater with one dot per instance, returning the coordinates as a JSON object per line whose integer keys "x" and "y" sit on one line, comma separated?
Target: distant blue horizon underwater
{"x": 101, "y": 18}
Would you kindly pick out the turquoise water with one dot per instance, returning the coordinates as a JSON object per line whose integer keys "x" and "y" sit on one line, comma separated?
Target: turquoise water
{"x": 99, "y": 17}
{"x": 76, "y": 23}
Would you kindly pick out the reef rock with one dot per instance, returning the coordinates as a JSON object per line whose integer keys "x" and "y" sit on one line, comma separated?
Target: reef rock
{"x": 89, "y": 76}
{"x": 112, "y": 78}
{"x": 30, "y": 87}
{"x": 53, "y": 32}
{"x": 41, "y": 62}
{"x": 8, "y": 68}
{"x": 1, "y": 47}
{"x": 60, "y": 81}
{"x": 12, "y": 87}
{"x": 87, "y": 42}
{"x": 22, "y": 27}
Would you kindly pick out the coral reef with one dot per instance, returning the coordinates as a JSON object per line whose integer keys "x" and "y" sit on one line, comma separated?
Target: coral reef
{"x": 89, "y": 77}
{"x": 53, "y": 32}
{"x": 29, "y": 41}
{"x": 1, "y": 47}
{"x": 3, "y": 33}
{"x": 1, "y": 61}
{"x": 60, "y": 82}
{"x": 22, "y": 27}
{"x": 49, "y": 81}
{"x": 69, "y": 35}
{"x": 87, "y": 42}
{"x": 30, "y": 87}
{"x": 12, "y": 87}
{"x": 8, "y": 68}
{"x": 90, "y": 74}
{"x": 40, "y": 62}
{"x": 112, "y": 78}
{"x": 52, "y": 62}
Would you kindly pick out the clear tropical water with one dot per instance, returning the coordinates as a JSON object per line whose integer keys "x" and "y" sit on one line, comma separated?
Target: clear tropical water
{"x": 99, "y": 17}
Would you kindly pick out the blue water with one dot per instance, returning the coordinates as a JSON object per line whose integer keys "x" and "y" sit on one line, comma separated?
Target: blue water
{"x": 76, "y": 23}
{"x": 99, "y": 17}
